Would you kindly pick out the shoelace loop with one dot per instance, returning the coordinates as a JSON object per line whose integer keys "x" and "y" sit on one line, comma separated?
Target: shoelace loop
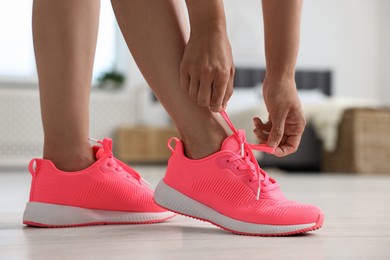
{"x": 117, "y": 164}
{"x": 246, "y": 155}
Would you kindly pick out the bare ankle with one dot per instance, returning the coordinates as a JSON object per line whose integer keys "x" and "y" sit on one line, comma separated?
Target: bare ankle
{"x": 204, "y": 143}
{"x": 198, "y": 151}
{"x": 70, "y": 159}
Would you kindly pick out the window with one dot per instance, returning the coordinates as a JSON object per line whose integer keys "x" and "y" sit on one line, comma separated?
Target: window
{"x": 16, "y": 47}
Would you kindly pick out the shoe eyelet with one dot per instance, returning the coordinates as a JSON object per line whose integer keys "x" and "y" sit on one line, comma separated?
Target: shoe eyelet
{"x": 227, "y": 161}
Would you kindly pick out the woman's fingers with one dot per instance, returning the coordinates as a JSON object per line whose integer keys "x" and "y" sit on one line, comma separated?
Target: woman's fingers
{"x": 220, "y": 84}
{"x": 207, "y": 69}
{"x": 205, "y": 91}
{"x": 261, "y": 130}
{"x": 288, "y": 146}
{"x": 193, "y": 89}
{"x": 229, "y": 90}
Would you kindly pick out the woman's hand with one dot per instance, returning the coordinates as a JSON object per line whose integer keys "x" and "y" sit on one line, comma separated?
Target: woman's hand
{"x": 207, "y": 69}
{"x": 286, "y": 121}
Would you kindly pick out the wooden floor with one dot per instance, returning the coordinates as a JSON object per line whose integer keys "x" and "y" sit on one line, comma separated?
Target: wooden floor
{"x": 357, "y": 215}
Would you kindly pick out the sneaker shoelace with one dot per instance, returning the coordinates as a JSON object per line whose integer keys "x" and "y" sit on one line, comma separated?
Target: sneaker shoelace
{"x": 106, "y": 146}
{"x": 249, "y": 161}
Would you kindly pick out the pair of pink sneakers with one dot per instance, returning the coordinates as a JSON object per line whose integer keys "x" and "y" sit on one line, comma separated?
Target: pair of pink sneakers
{"x": 227, "y": 188}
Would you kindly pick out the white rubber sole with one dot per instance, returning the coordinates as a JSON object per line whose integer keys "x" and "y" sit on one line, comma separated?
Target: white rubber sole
{"x": 175, "y": 201}
{"x": 53, "y": 215}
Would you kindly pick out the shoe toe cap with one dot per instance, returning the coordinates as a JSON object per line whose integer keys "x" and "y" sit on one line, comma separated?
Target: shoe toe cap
{"x": 299, "y": 213}
{"x": 283, "y": 213}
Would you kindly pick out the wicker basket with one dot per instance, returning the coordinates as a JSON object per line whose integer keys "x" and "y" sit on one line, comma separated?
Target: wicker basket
{"x": 363, "y": 144}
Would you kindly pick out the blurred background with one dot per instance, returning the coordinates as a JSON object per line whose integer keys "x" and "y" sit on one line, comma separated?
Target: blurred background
{"x": 342, "y": 77}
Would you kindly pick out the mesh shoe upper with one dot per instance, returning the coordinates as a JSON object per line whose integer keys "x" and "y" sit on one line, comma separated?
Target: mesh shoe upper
{"x": 231, "y": 182}
{"x": 108, "y": 184}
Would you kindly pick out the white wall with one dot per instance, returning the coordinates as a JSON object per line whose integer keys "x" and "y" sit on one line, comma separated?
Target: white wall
{"x": 384, "y": 59}
{"x": 339, "y": 35}
{"x": 245, "y": 30}
{"x": 343, "y": 36}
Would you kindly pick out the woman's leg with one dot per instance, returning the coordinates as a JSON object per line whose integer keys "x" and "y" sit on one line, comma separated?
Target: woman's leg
{"x": 65, "y": 34}
{"x": 156, "y": 34}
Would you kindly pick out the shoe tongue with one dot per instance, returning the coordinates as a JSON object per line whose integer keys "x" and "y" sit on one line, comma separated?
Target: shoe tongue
{"x": 233, "y": 142}
{"x": 104, "y": 150}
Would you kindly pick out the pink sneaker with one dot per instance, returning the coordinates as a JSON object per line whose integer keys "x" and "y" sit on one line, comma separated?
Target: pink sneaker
{"x": 231, "y": 191}
{"x": 107, "y": 192}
